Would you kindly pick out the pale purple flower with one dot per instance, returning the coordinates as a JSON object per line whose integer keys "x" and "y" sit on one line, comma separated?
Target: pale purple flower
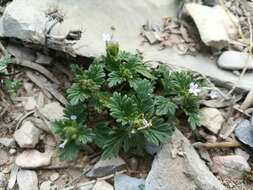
{"x": 107, "y": 37}
{"x": 62, "y": 145}
{"x": 73, "y": 117}
{"x": 194, "y": 89}
{"x": 213, "y": 94}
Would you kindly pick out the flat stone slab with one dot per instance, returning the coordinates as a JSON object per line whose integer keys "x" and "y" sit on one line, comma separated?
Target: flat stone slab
{"x": 178, "y": 167}
{"x": 27, "y": 20}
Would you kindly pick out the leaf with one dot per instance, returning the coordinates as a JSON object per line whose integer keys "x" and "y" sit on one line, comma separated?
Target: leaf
{"x": 144, "y": 95}
{"x": 115, "y": 79}
{"x": 123, "y": 108}
{"x": 70, "y": 151}
{"x": 96, "y": 73}
{"x": 193, "y": 120}
{"x": 76, "y": 94}
{"x": 86, "y": 136}
{"x": 4, "y": 61}
{"x": 159, "y": 132}
{"x": 165, "y": 106}
{"x": 117, "y": 139}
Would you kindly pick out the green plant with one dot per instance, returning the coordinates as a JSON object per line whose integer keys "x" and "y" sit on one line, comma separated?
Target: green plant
{"x": 118, "y": 104}
{"x": 9, "y": 85}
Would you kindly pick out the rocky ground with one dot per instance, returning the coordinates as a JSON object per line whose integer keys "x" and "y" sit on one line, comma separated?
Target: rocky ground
{"x": 217, "y": 156}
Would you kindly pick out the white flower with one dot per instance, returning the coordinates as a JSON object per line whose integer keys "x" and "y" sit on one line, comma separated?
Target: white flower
{"x": 194, "y": 89}
{"x": 213, "y": 94}
{"x": 107, "y": 37}
{"x": 73, "y": 117}
{"x": 145, "y": 123}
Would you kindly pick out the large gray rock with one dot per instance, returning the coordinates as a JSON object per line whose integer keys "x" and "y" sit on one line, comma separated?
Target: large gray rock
{"x": 235, "y": 60}
{"x": 215, "y": 26}
{"x": 125, "y": 182}
{"x": 232, "y": 165}
{"x": 28, "y": 135}
{"x": 127, "y": 17}
{"x": 106, "y": 167}
{"x": 181, "y": 171}
{"x": 33, "y": 159}
{"x": 27, "y": 180}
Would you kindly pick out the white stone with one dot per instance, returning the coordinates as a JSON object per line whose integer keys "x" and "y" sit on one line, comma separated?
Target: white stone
{"x": 214, "y": 24}
{"x": 54, "y": 176}
{"x": 212, "y": 119}
{"x": 8, "y": 142}
{"x": 29, "y": 104}
{"x": 27, "y": 180}
{"x": 28, "y": 135}
{"x": 102, "y": 185}
{"x": 232, "y": 165}
{"x": 184, "y": 170}
{"x": 52, "y": 111}
{"x": 33, "y": 159}
{"x": 242, "y": 153}
{"x": 48, "y": 185}
{"x": 235, "y": 60}
{"x": 12, "y": 151}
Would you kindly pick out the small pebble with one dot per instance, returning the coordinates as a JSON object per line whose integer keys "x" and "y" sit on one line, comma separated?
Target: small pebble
{"x": 54, "y": 176}
{"x": 12, "y": 151}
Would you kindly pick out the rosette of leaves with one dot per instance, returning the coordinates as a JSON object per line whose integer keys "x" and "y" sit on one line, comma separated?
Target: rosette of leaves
{"x": 119, "y": 104}
{"x": 175, "y": 94}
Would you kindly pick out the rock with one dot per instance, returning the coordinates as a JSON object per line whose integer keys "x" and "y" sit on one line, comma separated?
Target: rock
{"x": 251, "y": 120}
{"x": 87, "y": 187}
{"x": 33, "y": 159}
{"x": 24, "y": 23}
{"x": 12, "y": 151}
{"x": 102, "y": 185}
{"x": 151, "y": 148}
{"x": 232, "y": 165}
{"x": 180, "y": 172}
{"x": 235, "y": 60}
{"x": 212, "y": 119}
{"x": 27, "y": 180}
{"x": 8, "y": 142}
{"x": 242, "y": 153}
{"x": 124, "y": 182}
{"x": 54, "y": 176}
{"x": 48, "y": 185}
{"x": 28, "y": 86}
{"x": 133, "y": 163}
{"x": 3, "y": 181}
{"x": 204, "y": 154}
{"x": 4, "y": 158}
{"x": 215, "y": 26}
{"x": 13, "y": 176}
{"x": 21, "y": 52}
{"x": 52, "y": 111}
{"x": 29, "y": 104}
{"x": 244, "y": 132}
{"x": 43, "y": 59}
{"x": 106, "y": 167}
{"x": 28, "y": 135}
